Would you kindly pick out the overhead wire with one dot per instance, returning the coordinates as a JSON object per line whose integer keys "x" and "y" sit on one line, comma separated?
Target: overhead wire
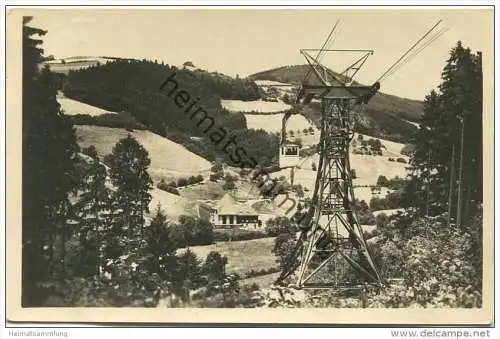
{"x": 330, "y": 43}
{"x": 323, "y": 47}
{"x": 416, "y": 52}
{"x": 408, "y": 51}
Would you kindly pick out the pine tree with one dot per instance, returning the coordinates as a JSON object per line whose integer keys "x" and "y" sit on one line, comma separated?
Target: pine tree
{"x": 431, "y": 146}
{"x": 160, "y": 248}
{"x": 92, "y": 207}
{"x": 214, "y": 268}
{"x": 187, "y": 275}
{"x": 129, "y": 162}
{"x": 49, "y": 146}
{"x": 453, "y": 115}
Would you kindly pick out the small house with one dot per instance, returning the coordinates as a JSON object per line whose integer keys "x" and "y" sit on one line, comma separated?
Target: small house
{"x": 230, "y": 213}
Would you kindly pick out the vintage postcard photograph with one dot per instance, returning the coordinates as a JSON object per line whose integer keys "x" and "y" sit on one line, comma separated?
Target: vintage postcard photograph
{"x": 250, "y": 165}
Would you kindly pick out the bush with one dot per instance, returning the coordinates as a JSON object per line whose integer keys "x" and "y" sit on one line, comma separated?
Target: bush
{"x": 214, "y": 268}
{"x": 408, "y": 150}
{"x": 284, "y": 246}
{"x": 236, "y": 296}
{"x": 80, "y": 292}
{"x": 167, "y": 187}
{"x": 182, "y": 182}
{"x": 396, "y": 183}
{"x": 107, "y": 159}
{"x": 391, "y": 201}
{"x": 230, "y": 178}
{"x": 441, "y": 267}
{"x": 228, "y": 186}
{"x": 280, "y": 225}
{"x": 377, "y": 204}
{"x": 299, "y": 190}
{"x": 365, "y": 215}
{"x": 196, "y": 231}
{"x": 113, "y": 120}
{"x": 263, "y": 271}
{"x": 216, "y": 176}
{"x": 177, "y": 235}
{"x": 381, "y": 220}
{"x": 366, "y": 218}
{"x": 237, "y": 235}
{"x": 382, "y": 180}
{"x": 229, "y": 182}
{"x": 217, "y": 167}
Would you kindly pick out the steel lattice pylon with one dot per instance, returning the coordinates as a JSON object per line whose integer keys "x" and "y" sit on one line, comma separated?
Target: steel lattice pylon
{"x": 331, "y": 230}
{"x": 339, "y": 236}
{"x": 331, "y": 236}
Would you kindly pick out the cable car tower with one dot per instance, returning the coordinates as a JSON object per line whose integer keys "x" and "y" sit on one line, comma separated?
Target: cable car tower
{"x": 331, "y": 245}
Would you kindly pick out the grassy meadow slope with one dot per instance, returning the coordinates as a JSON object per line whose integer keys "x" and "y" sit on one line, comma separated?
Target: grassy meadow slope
{"x": 168, "y": 159}
{"x": 243, "y": 256}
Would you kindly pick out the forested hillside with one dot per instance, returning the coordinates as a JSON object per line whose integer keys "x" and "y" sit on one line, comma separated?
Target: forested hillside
{"x": 132, "y": 87}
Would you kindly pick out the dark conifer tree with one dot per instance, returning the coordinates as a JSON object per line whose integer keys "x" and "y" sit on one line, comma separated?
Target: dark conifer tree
{"x": 49, "y": 146}
{"x": 129, "y": 162}
{"x": 93, "y": 207}
{"x": 214, "y": 268}
{"x": 187, "y": 275}
{"x": 452, "y": 118}
{"x": 160, "y": 248}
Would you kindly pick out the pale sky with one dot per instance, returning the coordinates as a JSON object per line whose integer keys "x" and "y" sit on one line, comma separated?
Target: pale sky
{"x": 248, "y": 41}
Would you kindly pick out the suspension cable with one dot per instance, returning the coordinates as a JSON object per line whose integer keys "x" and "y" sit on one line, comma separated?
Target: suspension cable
{"x": 408, "y": 51}
{"x": 323, "y": 47}
{"x": 330, "y": 43}
{"x": 416, "y": 52}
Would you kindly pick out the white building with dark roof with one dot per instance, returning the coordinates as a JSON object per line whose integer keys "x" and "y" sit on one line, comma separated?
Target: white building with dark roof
{"x": 229, "y": 213}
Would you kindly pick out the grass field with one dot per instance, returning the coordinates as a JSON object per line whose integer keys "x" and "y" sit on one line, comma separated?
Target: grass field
{"x": 173, "y": 205}
{"x": 168, "y": 159}
{"x": 206, "y": 191}
{"x": 73, "y": 107}
{"x": 242, "y": 256}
